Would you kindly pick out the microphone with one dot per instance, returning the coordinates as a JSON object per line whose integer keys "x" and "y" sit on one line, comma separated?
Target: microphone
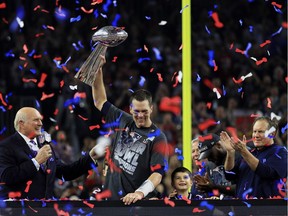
{"x": 45, "y": 138}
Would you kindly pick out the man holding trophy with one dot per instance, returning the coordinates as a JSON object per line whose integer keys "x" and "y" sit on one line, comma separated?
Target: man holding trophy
{"x": 135, "y": 151}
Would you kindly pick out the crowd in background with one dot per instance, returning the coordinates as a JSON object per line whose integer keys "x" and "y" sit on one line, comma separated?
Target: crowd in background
{"x": 150, "y": 58}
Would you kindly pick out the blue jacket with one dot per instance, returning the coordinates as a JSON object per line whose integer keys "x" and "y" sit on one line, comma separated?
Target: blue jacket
{"x": 264, "y": 182}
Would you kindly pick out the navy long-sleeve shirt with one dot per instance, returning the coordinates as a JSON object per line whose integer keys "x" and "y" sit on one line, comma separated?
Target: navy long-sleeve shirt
{"x": 265, "y": 181}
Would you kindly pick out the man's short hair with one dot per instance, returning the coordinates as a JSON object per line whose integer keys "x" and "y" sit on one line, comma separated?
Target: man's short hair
{"x": 141, "y": 95}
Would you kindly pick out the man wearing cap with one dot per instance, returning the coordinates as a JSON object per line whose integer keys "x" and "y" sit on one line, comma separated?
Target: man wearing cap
{"x": 213, "y": 183}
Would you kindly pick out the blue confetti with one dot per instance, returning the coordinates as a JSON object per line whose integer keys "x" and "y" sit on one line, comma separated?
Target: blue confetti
{"x": 207, "y": 205}
{"x": 138, "y": 50}
{"x": 249, "y": 45}
{"x": 250, "y": 28}
{"x": 10, "y": 54}
{"x": 155, "y": 133}
{"x": 142, "y": 81}
{"x": 198, "y": 77}
{"x": 207, "y": 29}
{"x": 3, "y": 130}
{"x": 179, "y": 151}
{"x": 224, "y": 91}
{"x": 246, "y": 192}
{"x": 283, "y": 129}
{"x": 248, "y": 205}
{"x": 116, "y": 19}
{"x": 33, "y": 71}
{"x": 2, "y": 108}
{"x": 240, "y": 89}
{"x": 76, "y": 19}
{"x": 211, "y": 58}
{"x": 140, "y": 60}
{"x": 148, "y": 18}
{"x": 157, "y": 53}
{"x": 277, "y": 32}
{"x": 31, "y": 53}
{"x": 240, "y": 21}
{"x": 106, "y": 5}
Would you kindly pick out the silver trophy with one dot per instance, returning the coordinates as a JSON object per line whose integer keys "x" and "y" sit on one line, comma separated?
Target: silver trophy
{"x": 108, "y": 36}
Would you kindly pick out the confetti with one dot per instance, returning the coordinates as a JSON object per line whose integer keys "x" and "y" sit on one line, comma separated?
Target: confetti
{"x": 169, "y": 202}
{"x": 217, "y": 22}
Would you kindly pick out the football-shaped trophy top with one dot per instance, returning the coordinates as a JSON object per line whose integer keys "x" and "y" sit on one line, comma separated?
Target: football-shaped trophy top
{"x": 110, "y": 36}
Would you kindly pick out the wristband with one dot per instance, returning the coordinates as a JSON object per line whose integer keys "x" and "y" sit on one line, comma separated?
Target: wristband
{"x": 146, "y": 187}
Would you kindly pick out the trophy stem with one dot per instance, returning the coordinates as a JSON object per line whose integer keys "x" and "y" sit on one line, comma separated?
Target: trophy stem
{"x": 91, "y": 66}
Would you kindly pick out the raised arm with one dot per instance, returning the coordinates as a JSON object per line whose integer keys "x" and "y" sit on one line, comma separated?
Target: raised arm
{"x": 98, "y": 88}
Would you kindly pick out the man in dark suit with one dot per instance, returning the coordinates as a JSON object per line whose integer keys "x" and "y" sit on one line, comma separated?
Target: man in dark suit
{"x": 27, "y": 167}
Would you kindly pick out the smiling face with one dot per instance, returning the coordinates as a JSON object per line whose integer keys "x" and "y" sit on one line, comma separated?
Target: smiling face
{"x": 141, "y": 112}
{"x": 195, "y": 150}
{"x": 29, "y": 122}
{"x": 182, "y": 182}
{"x": 258, "y": 135}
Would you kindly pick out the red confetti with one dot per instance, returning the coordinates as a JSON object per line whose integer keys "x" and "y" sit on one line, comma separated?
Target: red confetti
{"x": 276, "y": 5}
{"x": 240, "y": 51}
{"x": 284, "y": 24}
{"x": 204, "y": 125}
{"x": 114, "y": 59}
{"x": 80, "y": 95}
{"x": 160, "y": 77}
{"x": 65, "y": 68}
{"x": 181, "y": 46}
{"x": 145, "y": 48}
{"x": 28, "y": 186}
{"x": 215, "y": 66}
{"x": 231, "y": 46}
{"x": 93, "y": 127}
{"x": 41, "y": 84}
{"x": 48, "y": 171}
{"x": 36, "y": 8}
{"x": 60, "y": 212}
{"x": 169, "y": 202}
{"x": 151, "y": 70}
{"x": 269, "y": 103}
{"x": 83, "y": 118}
{"x": 45, "y": 96}
{"x": 62, "y": 83}
{"x": 96, "y": 2}
{"x": 86, "y": 11}
{"x": 13, "y": 195}
{"x": 50, "y": 27}
{"x": 186, "y": 199}
{"x": 56, "y": 111}
{"x": 232, "y": 131}
{"x": 37, "y": 56}
{"x": 197, "y": 210}
{"x": 112, "y": 166}
{"x": 265, "y": 43}
{"x": 2, "y": 100}
{"x": 25, "y": 48}
{"x": 155, "y": 167}
{"x": 261, "y": 61}
{"x": 103, "y": 195}
{"x": 255, "y": 115}
{"x": 237, "y": 81}
{"x": 3, "y": 5}
{"x": 286, "y": 79}
{"x": 32, "y": 209}
{"x": 39, "y": 34}
{"x": 90, "y": 205}
{"x": 80, "y": 187}
{"x": 29, "y": 80}
{"x": 203, "y": 138}
{"x": 208, "y": 105}
{"x": 44, "y": 11}
{"x": 217, "y": 22}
